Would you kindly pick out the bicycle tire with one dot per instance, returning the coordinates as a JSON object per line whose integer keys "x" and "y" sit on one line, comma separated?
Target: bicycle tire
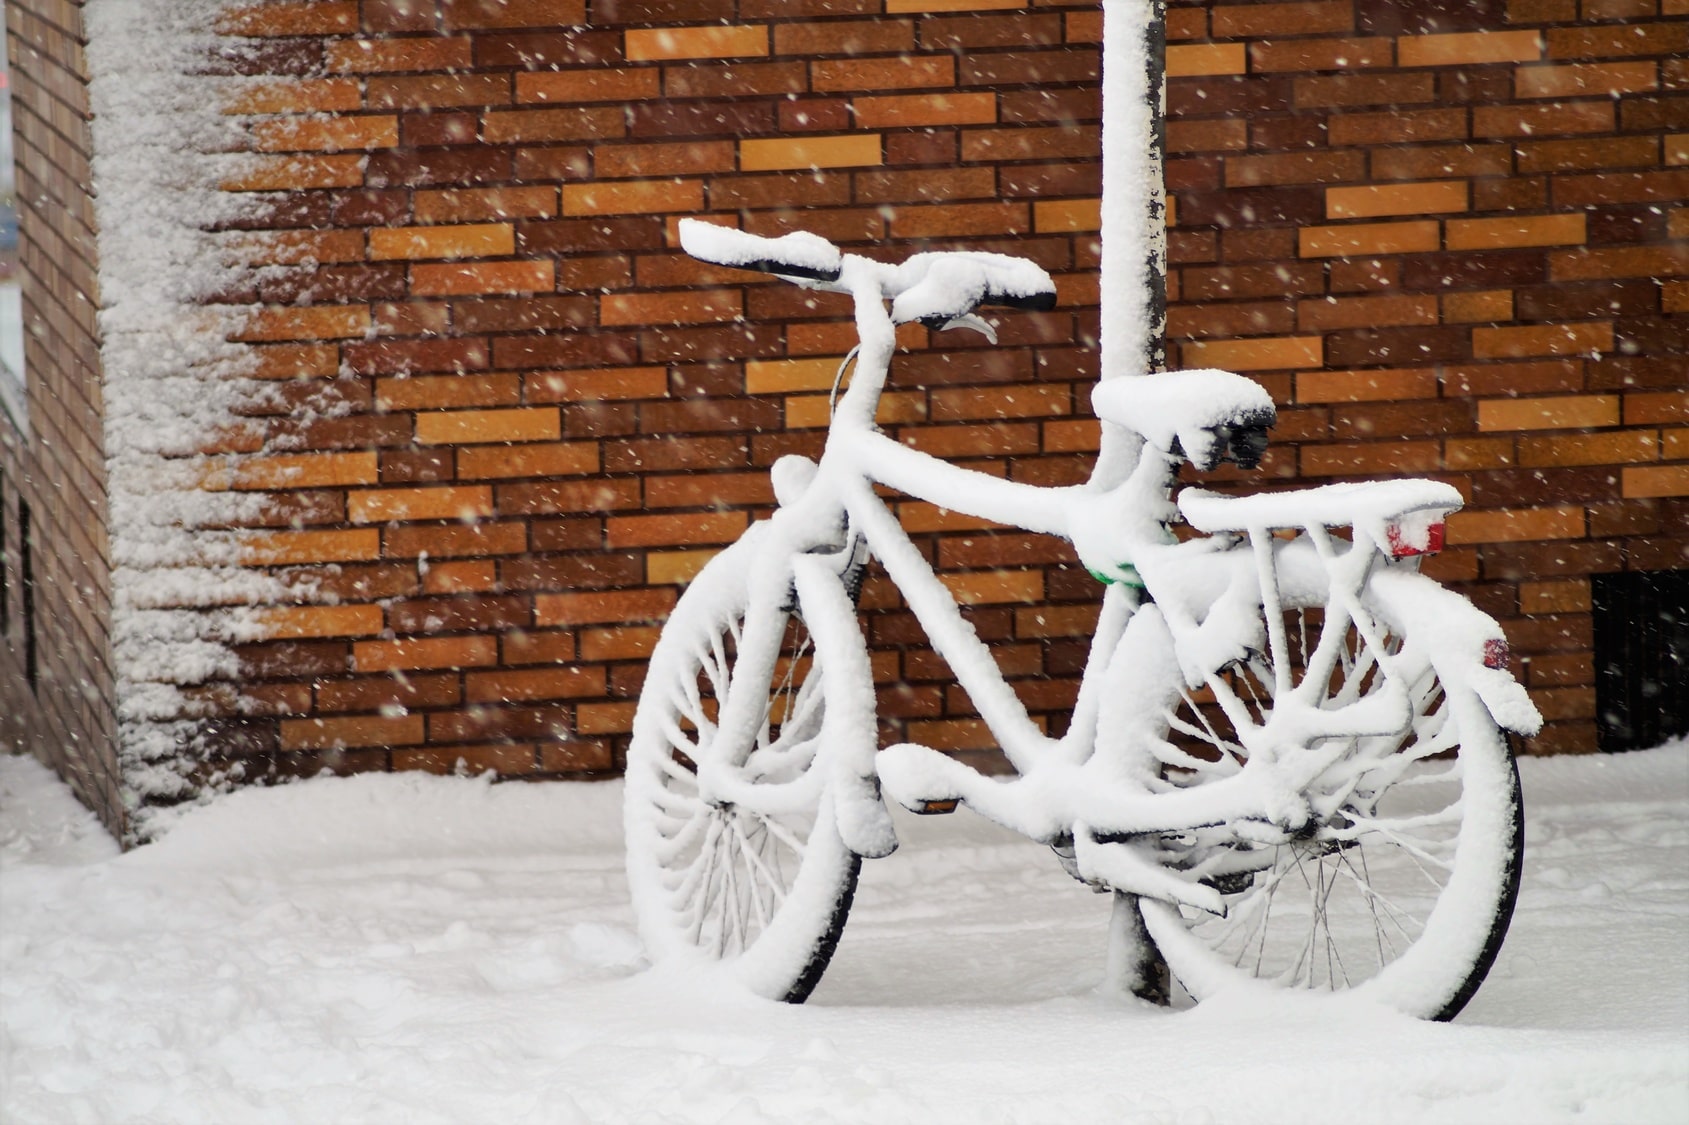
{"x": 760, "y": 894}
{"x": 1438, "y": 804}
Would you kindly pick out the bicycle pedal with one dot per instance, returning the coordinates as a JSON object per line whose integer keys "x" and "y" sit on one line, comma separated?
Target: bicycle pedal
{"x": 938, "y": 808}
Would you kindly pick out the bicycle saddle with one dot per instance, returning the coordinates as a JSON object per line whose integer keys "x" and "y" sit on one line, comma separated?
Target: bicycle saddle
{"x": 1207, "y": 416}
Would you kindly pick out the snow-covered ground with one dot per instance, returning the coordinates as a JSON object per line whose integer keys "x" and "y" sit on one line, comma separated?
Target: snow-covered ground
{"x": 418, "y": 949}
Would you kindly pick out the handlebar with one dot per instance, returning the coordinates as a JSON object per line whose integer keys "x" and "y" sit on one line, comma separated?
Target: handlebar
{"x": 935, "y": 288}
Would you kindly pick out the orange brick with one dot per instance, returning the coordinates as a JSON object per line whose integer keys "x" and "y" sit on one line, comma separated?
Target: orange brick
{"x": 1205, "y": 135}
{"x": 291, "y": 623}
{"x": 286, "y": 548}
{"x": 297, "y": 173}
{"x": 1628, "y": 446}
{"x": 293, "y": 361}
{"x": 1648, "y": 481}
{"x": 1395, "y": 199}
{"x": 602, "y": 607}
{"x": 1067, "y": 215}
{"x": 424, "y": 652}
{"x": 508, "y": 685}
{"x": 700, "y": 306}
{"x": 995, "y": 587}
{"x": 1367, "y": 386}
{"x": 627, "y": 643}
{"x": 318, "y": 322}
{"x": 1260, "y": 354}
{"x": 777, "y": 376}
{"x": 470, "y": 576}
{"x": 1651, "y": 408}
{"x": 895, "y": 408}
{"x": 604, "y": 718}
{"x": 434, "y": 92}
{"x": 464, "y": 427}
{"x": 906, "y": 72}
{"x": 374, "y": 56}
{"x": 442, "y": 503}
{"x": 633, "y": 198}
{"x": 1334, "y": 313}
{"x": 1490, "y": 305}
{"x": 718, "y": 42}
{"x": 1566, "y": 596}
{"x": 467, "y": 205}
{"x": 296, "y": 95}
{"x": 1515, "y": 231}
{"x": 676, "y": 529}
{"x": 353, "y": 730}
{"x": 959, "y": 220}
{"x": 594, "y": 386}
{"x": 475, "y": 540}
{"x": 1674, "y": 445}
{"x": 319, "y": 17}
{"x": 907, "y": 110}
{"x": 679, "y": 158}
{"x": 441, "y": 391}
{"x": 1365, "y": 239}
{"x": 1479, "y": 453}
{"x": 469, "y": 240}
{"x": 1542, "y": 339}
{"x": 1573, "y": 412}
{"x": 855, "y": 150}
{"x": 676, "y": 568}
{"x": 1584, "y": 80}
{"x": 464, "y": 278}
{"x": 1514, "y": 525}
{"x": 962, "y": 404}
{"x": 296, "y": 247}
{"x": 600, "y": 84}
{"x": 1197, "y": 59}
{"x": 296, "y": 470}
{"x": 1469, "y": 48}
{"x": 504, "y": 759}
{"x": 558, "y": 459}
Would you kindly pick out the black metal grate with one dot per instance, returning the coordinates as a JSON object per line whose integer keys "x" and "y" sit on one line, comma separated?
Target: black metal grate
{"x": 1641, "y": 658}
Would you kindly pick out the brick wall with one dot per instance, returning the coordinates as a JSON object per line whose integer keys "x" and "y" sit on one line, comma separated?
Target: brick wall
{"x": 62, "y": 708}
{"x": 1451, "y": 237}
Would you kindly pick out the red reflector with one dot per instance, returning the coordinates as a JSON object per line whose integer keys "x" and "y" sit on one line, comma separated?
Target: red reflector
{"x": 1496, "y": 655}
{"x": 1400, "y": 548}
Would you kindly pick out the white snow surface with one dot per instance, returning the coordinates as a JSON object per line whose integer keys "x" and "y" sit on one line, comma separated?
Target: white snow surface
{"x": 411, "y": 948}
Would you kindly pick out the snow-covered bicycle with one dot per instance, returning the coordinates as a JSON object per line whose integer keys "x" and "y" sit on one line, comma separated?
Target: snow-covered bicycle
{"x": 1287, "y": 759}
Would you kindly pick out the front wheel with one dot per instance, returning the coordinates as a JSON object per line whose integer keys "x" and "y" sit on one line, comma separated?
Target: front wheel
{"x": 1401, "y": 882}
{"x": 759, "y": 884}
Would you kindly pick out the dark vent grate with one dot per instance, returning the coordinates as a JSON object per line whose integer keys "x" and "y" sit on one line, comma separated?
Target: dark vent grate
{"x": 1641, "y": 657}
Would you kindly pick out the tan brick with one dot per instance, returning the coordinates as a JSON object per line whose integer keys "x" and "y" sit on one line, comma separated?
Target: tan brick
{"x": 295, "y": 470}
{"x": 424, "y": 652}
{"x": 297, "y": 173}
{"x": 351, "y": 730}
{"x": 464, "y": 427}
{"x": 296, "y": 247}
{"x": 439, "y": 392}
{"x": 467, "y": 576}
{"x": 295, "y": 95}
{"x": 684, "y": 307}
{"x": 1515, "y": 231}
{"x": 317, "y": 322}
{"x": 1378, "y": 200}
{"x": 294, "y": 361}
{"x": 1573, "y": 412}
{"x": 779, "y": 376}
{"x": 1655, "y": 408}
{"x": 717, "y": 42}
{"x": 676, "y": 568}
{"x": 1623, "y": 447}
{"x": 1261, "y": 354}
{"x": 1333, "y": 313}
{"x": 1575, "y": 80}
{"x": 1514, "y": 525}
{"x": 468, "y": 240}
{"x": 477, "y": 540}
{"x": 1565, "y": 596}
{"x": 602, "y": 607}
{"x": 895, "y": 408}
{"x": 441, "y": 503}
{"x": 1647, "y": 481}
{"x": 292, "y": 623}
{"x": 1061, "y": 216}
{"x": 1365, "y": 239}
{"x": 634, "y": 198}
{"x": 1469, "y": 48}
{"x": 1367, "y": 386}
{"x": 910, "y": 110}
{"x": 317, "y": 17}
{"x": 604, "y": 718}
{"x": 1461, "y": 454}
{"x": 509, "y": 685}
{"x": 1197, "y": 59}
{"x": 1488, "y": 306}
{"x": 468, "y": 205}
{"x": 375, "y": 56}
{"x": 1674, "y": 445}
{"x": 674, "y": 529}
{"x": 852, "y": 151}
{"x": 550, "y": 460}
{"x": 626, "y": 643}
{"x": 465, "y": 278}
{"x": 287, "y": 548}
{"x": 600, "y": 84}
{"x": 1542, "y": 339}
{"x": 594, "y": 386}
{"x": 995, "y": 587}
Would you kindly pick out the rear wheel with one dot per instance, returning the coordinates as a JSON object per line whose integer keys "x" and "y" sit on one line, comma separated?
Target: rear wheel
{"x": 759, "y": 885}
{"x": 1401, "y": 883}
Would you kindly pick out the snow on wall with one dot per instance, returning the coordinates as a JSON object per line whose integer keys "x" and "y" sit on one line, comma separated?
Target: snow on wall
{"x": 173, "y": 384}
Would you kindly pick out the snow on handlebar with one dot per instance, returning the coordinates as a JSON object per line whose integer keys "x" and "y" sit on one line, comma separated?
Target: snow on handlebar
{"x": 799, "y": 255}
